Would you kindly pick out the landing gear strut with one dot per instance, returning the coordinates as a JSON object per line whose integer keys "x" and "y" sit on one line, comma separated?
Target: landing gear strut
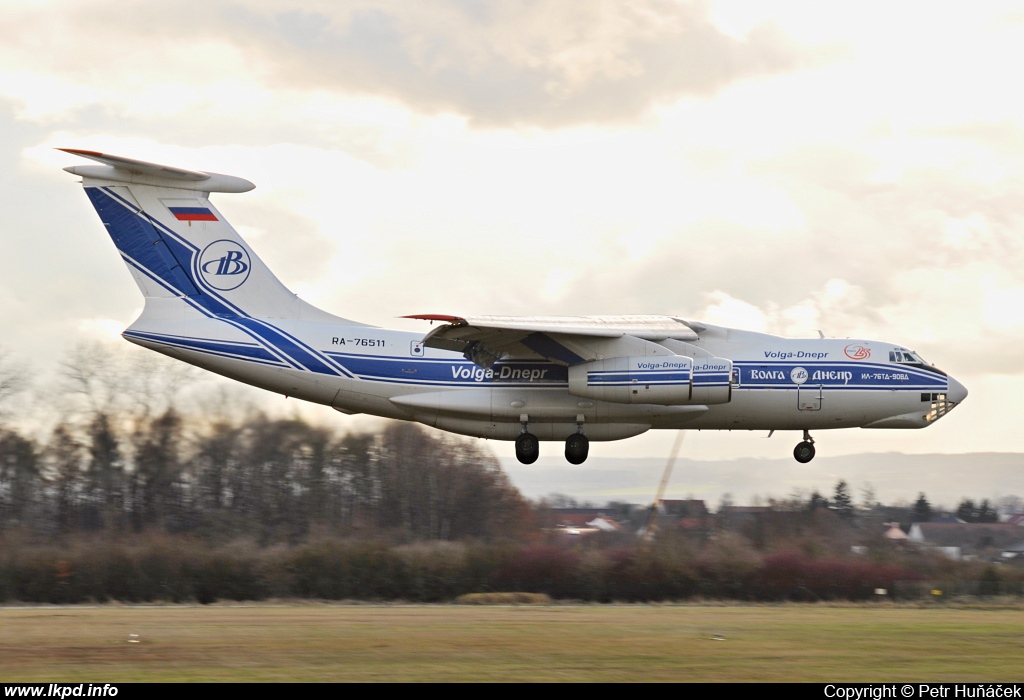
{"x": 527, "y": 445}
{"x": 804, "y": 451}
{"x": 577, "y": 445}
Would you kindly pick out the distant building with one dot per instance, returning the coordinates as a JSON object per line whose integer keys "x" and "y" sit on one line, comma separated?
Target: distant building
{"x": 605, "y": 524}
{"x": 1013, "y": 553}
{"x": 971, "y": 539}
{"x": 574, "y": 517}
{"x": 738, "y": 514}
{"x": 684, "y": 508}
{"x": 894, "y": 532}
{"x": 574, "y": 522}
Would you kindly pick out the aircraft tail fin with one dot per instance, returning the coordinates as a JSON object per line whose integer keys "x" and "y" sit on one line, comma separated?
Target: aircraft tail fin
{"x": 177, "y": 244}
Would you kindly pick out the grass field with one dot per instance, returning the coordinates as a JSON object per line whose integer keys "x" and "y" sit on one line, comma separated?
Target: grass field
{"x": 315, "y": 642}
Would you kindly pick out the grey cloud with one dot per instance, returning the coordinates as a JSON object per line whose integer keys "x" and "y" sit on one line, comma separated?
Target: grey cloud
{"x": 547, "y": 64}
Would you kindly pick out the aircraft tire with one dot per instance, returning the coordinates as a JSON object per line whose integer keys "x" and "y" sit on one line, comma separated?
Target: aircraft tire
{"x": 577, "y": 447}
{"x": 527, "y": 448}
{"x": 803, "y": 452}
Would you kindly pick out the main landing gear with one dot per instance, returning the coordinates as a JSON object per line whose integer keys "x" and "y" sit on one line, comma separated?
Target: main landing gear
{"x": 577, "y": 445}
{"x": 804, "y": 451}
{"x": 527, "y": 447}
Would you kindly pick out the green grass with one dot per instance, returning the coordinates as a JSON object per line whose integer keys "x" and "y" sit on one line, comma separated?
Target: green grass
{"x": 312, "y": 642}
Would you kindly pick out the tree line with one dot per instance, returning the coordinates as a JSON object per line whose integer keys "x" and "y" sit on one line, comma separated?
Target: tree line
{"x": 126, "y": 495}
{"x": 125, "y": 458}
{"x": 270, "y": 479}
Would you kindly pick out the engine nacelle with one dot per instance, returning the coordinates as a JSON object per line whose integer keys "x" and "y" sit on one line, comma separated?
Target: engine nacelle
{"x": 712, "y": 381}
{"x": 658, "y": 379}
{"x": 665, "y": 380}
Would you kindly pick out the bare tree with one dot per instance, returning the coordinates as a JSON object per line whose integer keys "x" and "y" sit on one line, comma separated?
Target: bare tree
{"x": 127, "y": 383}
{"x": 64, "y": 470}
{"x": 13, "y": 378}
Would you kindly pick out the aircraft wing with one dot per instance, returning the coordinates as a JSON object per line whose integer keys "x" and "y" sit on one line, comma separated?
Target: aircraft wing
{"x": 566, "y": 340}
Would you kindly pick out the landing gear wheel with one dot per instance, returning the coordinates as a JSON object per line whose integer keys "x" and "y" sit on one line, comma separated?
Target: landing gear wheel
{"x": 527, "y": 448}
{"x": 577, "y": 447}
{"x": 803, "y": 452}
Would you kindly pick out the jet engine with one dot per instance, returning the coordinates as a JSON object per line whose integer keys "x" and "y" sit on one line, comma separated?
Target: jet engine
{"x": 666, "y": 380}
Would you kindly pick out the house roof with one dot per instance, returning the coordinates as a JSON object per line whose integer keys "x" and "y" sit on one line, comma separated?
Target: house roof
{"x": 895, "y": 532}
{"x": 605, "y": 523}
{"x": 592, "y": 512}
{"x": 573, "y": 519}
{"x": 684, "y": 507}
{"x": 969, "y": 535}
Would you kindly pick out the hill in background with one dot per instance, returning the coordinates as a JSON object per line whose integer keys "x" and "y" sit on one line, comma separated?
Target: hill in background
{"x": 944, "y": 478}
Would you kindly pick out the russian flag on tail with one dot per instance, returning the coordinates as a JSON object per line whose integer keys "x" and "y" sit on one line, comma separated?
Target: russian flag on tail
{"x": 193, "y": 214}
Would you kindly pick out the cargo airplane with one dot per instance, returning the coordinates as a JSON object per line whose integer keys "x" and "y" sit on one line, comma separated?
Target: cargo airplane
{"x": 211, "y": 302}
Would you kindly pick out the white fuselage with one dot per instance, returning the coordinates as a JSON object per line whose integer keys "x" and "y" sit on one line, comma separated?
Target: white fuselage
{"x": 777, "y": 383}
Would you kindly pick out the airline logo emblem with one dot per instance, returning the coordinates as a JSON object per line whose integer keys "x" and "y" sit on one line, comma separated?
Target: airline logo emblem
{"x": 798, "y": 375}
{"x": 224, "y": 265}
{"x": 857, "y": 352}
{"x": 193, "y": 214}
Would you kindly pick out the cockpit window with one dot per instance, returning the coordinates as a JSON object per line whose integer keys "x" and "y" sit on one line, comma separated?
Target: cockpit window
{"x": 909, "y": 357}
{"x": 906, "y": 357}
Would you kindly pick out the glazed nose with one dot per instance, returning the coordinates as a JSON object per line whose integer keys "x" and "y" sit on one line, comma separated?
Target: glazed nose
{"x": 957, "y": 392}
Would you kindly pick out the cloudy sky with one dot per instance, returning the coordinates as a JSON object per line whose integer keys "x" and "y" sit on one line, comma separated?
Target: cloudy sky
{"x": 785, "y": 167}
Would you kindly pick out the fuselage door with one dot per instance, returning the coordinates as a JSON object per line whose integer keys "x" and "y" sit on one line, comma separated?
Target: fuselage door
{"x": 808, "y": 398}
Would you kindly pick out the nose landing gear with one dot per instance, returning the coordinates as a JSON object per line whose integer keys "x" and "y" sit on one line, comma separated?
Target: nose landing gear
{"x": 804, "y": 451}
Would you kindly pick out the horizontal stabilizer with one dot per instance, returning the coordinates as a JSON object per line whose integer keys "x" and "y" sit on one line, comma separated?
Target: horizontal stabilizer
{"x": 131, "y": 171}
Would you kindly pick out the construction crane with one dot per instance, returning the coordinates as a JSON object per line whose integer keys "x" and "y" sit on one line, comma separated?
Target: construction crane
{"x": 649, "y": 530}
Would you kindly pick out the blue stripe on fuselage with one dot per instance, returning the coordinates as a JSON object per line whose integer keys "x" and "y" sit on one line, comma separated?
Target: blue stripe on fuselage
{"x": 224, "y": 348}
{"x": 454, "y": 372}
{"x": 837, "y": 375}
